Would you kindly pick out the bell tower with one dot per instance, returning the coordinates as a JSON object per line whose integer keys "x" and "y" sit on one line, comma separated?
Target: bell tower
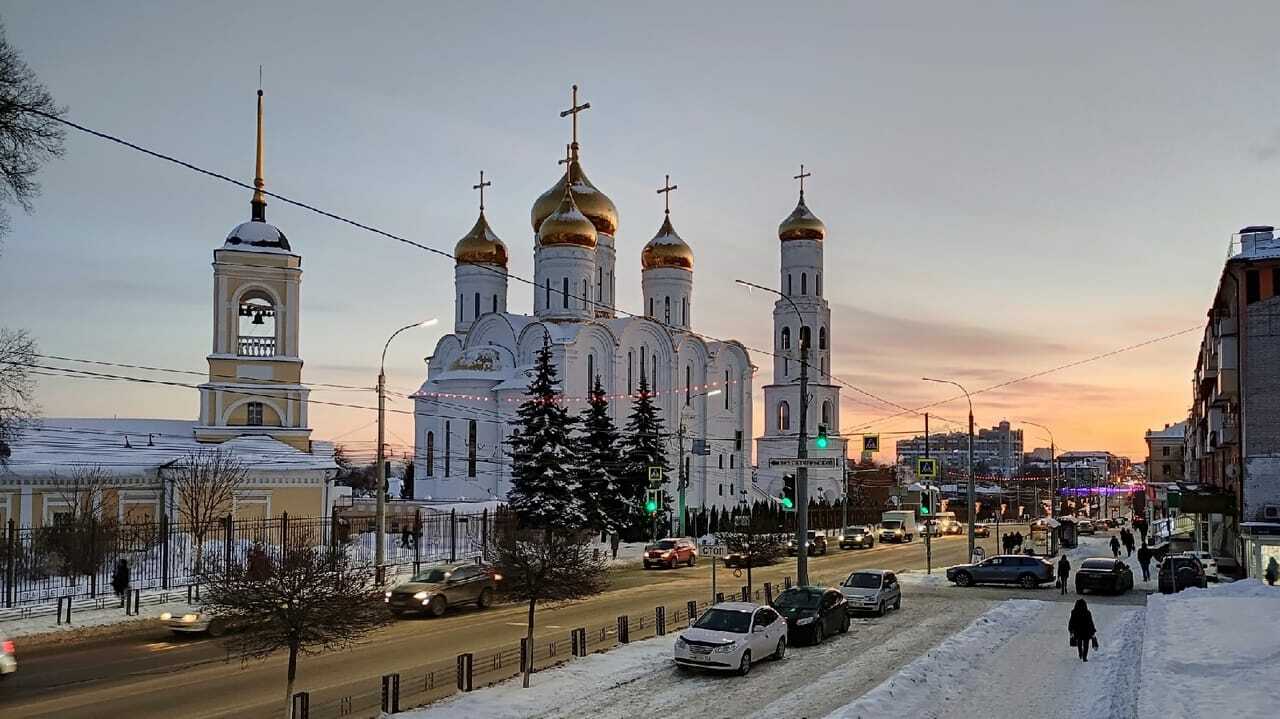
{"x": 255, "y": 369}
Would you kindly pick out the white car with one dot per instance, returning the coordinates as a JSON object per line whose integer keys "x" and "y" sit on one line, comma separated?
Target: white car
{"x": 194, "y": 622}
{"x": 730, "y": 636}
{"x": 1208, "y": 562}
{"x": 8, "y": 661}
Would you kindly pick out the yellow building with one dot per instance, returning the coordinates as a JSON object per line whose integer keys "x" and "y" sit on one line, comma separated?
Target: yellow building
{"x": 254, "y": 406}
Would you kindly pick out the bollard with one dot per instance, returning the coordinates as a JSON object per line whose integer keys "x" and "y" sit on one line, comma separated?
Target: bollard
{"x": 660, "y": 620}
{"x": 525, "y": 654}
{"x": 578, "y": 638}
{"x": 746, "y": 594}
{"x": 719, "y": 597}
{"x": 136, "y": 599}
{"x": 768, "y": 593}
{"x": 301, "y": 705}
{"x": 391, "y": 693}
{"x": 786, "y": 582}
{"x": 624, "y": 630}
{"x": 693, "y": 611}
{"x": 464, "y": 671}
{"x": 67, "y": 600}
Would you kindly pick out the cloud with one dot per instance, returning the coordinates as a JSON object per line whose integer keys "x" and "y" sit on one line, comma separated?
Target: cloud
{"x": 868, "y": 332}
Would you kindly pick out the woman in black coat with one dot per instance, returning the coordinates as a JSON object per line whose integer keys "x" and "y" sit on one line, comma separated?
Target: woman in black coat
{"x": 1081, "y": 628}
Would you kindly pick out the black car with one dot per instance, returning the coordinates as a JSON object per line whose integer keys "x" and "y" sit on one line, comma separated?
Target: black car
{"x": 817, "y": 544}
{"x": 1176, "y": 573}
{"x": 857, "y": 537}
{"x": 1104, "y": 574}
{"x": 812, "y": 613}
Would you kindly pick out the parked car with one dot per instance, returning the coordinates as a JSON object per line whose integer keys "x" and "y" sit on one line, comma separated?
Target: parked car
{"x": 435, "y": 589}
{"x": 731, "y": 636}
{"x": 8, "y": 657}
{"x": 1177, "y": 572}
{"x": 1028, "y": 572}
{"x": 195, "y": 622}
{"x": 671, "y": 552}
{"x": 1085, "y": 526}
{"x": 871, "y": 590}
{"x": 981, "y": 529}
{"x": 1208, "y": 562}
{"x": 816, "y": 544}
{"x": 1104, "y": 574}
{"x": 812, "y": 613}
{"x": 931, "y": 527}
{"x": 857, "y": 537}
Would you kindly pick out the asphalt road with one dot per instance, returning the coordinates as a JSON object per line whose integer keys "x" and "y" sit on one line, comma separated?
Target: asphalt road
{"x": 154, "y": 674}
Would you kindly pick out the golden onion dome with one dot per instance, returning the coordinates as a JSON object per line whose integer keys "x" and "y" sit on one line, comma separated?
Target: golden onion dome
{"x": 802, "y": 224}
{"x": 590, "y": 201}
{"x": 666, "y": 249}
{"x": 480, "y": 246}
{"x": 567, "y": 225}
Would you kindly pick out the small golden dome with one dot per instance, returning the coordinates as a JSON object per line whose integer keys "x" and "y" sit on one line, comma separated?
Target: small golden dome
{"x": 590, "y": 201}
{"x": 666, "y": 249}
{"x": 480, "y": 246}
{"x": 802, "y": 224}
{"x": 567, "y": 225}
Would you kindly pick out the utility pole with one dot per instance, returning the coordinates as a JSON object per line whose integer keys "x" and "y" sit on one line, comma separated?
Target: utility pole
{"x": 802, "y": 472}
{"x": 972, "y": 505}
{"x": 928, "y": 539}
{"x": 683, "y": 480}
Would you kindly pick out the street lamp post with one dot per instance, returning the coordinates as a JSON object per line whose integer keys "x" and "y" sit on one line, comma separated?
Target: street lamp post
{"x": 683, "y": 484}
{"x": 802, "y": 473}
{"x": 380, "y": 519}
{"x": 971, "y": 489}
{"x": 1053, "y": 490}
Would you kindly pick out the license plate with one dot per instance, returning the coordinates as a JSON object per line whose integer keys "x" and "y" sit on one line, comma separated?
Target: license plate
{"x": 700, "y": 650}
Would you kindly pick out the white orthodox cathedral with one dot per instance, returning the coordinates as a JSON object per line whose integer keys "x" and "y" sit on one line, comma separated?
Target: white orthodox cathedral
{"x": 478, "y": 375}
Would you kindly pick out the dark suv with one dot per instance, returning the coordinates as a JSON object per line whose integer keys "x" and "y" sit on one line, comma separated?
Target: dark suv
{"x": 1027, "y": 572}
{"x": 817, "y": 544}
{"x": 812, "y": 613}
{"x": 1177, "y": 573}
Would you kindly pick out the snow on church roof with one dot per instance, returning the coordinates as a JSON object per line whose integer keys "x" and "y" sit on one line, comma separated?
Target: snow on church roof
{"x": 62, "y": 445}
{"x": 256, "y": 236}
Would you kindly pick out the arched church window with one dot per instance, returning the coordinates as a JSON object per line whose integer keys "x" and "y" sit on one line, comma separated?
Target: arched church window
{"x": 826, "y": 412}
{"x": 789, "y": 287}
{"x": 586, "y": 292}
{"x": 471, "y": 448}
{"x": 254, "y": 410}
{"x": 546, "y": 301}
{"x": 804, "y": 283}
{"x": 684, "y": 311}
{"x": 650, "y": 307}
{"x": 666, "y": 319}
{"x": 599, "y": 284}
{"x": 460, "y": 307}
{"x": 630, "y": 363}
{"x": 786, "y": 338}
{"x": 804, "y": 337}
{"x": 564, "y": 292}
{"x": 688, "y": 384}
{"x": 477, "y": 307}
{"x": 495, "y": 303}
{"x": 431, "y": 454}
{"x": 822, "y": 338}
{"x": 725, "y": 389}
{"x": 817, "y": 283}
{"x": 591, "y": 373}
{"x": 448, "y": 447}
{"x": 784, "y": 416}
{"x": 257, "y": 329}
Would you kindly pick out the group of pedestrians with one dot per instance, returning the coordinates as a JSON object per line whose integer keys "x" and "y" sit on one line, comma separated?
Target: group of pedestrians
{"x": 1012, "y": 542}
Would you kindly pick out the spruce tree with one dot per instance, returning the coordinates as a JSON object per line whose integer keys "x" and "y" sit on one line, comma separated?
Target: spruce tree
{"x": 643, "y": 446}
{"x": 543, "y": 468}
{"x": 598, "y": 491}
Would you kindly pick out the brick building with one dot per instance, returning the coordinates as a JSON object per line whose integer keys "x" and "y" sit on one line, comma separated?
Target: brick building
{"x": 1164, "y": 453}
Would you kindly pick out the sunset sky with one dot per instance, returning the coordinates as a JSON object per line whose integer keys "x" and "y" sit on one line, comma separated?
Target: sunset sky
{"x": 1007, "y": 187}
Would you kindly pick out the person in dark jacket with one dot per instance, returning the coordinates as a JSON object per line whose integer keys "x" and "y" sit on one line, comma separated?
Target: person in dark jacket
{"x": 1081, "y": 628}
{"x": 120, "y": 580}
{"x": 1144, "y": 559}
{"x": 1115, "y": 547}
{"x": 1017, "y": 541}
{"x": 1064, "y": 572}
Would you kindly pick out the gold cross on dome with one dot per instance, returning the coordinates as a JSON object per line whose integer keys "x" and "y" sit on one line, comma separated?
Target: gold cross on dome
{"x": 481, "y": 187}
{"x": 801, "y": 177}
{"x": 665, "y": 190}
{"x": 574, "y": 109}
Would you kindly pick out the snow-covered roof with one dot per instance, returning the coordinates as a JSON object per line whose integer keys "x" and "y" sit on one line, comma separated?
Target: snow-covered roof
{"x": 254, "y": 236}
{"x": 60, "y": 445}
{"x": 1177, "y": 430}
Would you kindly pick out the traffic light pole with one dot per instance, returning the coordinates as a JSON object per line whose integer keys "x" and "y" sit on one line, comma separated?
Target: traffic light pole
{"x": 802, "y": 472}
{"x": 683, "y": 480}
{"x": 928, "y": 539}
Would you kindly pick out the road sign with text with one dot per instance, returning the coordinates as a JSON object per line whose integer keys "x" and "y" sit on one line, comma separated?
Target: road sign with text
{"x": 817, "y": 462}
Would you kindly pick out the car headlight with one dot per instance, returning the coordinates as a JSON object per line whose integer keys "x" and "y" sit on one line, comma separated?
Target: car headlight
{"x": 420, "y": 596}
{"x": 897, "y": 531}
{"x": 388, "y": 595}
{"x": 166, "y": 616}
{"x": 190, "y": 618}
{"x": 803, "y": 621}
{"x": 726, "y": 648}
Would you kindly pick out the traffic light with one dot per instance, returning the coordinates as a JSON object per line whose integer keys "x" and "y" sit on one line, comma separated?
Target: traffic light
{"x": 788, "y": 497}
{"x": 821, "y": 440}
{"x": 653, "y": 498}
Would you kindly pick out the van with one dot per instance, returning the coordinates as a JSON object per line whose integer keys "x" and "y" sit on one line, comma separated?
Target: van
{"x": 898, "y": 526}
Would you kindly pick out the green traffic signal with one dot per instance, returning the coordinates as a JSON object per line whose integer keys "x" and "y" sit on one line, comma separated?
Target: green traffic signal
{"x": 924, "y": 509}
{"x": 821, "y": 440}
{"x": 787, "y": 503}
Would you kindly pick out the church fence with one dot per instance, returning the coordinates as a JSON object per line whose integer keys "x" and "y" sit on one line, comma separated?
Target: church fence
{"x": 77, "y": 559}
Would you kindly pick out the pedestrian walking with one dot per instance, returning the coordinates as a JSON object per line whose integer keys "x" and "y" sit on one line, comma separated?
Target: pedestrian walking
{"x": 406, "y": 535}
{"x": 1272, "y": 574}
{"x": 1126, "y": 538}
{"x": 1115, "y": 547}
{"x": 1017, "y": 541}
{"x": 1144, "y": 559}
{"x": 1081, "y": 628}
{"x": 120, "y": 579}
{"x": 1064, "y": 572}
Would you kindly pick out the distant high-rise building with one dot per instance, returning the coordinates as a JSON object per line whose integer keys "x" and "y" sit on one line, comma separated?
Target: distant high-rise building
{"x": 996, "y": 451}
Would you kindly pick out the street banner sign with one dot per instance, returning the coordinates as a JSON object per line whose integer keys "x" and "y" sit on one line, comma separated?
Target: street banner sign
{"x": 655, "y": 476}
{"x": 926, "y": 467}
{"x": 870, "y": 443}
{"x": 712, "y": 550}
{"x": 827, "y": 462}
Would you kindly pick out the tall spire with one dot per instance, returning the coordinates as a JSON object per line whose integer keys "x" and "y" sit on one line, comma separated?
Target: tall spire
{"x": 258, "y": 204}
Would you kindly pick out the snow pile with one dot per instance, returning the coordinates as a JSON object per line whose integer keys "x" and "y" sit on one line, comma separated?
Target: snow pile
{"x": 556, "y": 687}
{"x": 1207, "y": 650}
{"x": 919, "y": 578}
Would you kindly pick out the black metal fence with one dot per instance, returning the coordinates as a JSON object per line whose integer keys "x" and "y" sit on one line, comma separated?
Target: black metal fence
{"x": 77, "y": 559}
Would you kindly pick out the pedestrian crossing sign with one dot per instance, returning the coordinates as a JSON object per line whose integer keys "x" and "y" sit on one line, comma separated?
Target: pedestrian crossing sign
{"x": 655, "y": 476}
{"x": 926, "y": 467}
{"x": 870, "y": 443}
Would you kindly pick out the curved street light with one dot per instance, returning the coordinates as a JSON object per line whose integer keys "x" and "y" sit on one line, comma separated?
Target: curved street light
{"x": 971, "y": 493}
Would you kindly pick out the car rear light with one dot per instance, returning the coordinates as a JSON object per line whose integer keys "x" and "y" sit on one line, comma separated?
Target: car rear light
{"x": 6, "y": 647}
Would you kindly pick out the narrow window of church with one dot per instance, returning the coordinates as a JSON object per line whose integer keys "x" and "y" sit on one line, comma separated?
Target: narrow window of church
{"x": 431, "y": 454}
{"x": 817, "y": 284}
{"x": 725, "y": 389}
{"x": 459, "y": 308}
{"x": 789, "y": 288}
{"x": 644, "y": 352}
{"x": 826, "y": 412}
{"x": 786, "y": 338}
{"x": 822, "y": 338}
{"x": 786, "y": 367}
{"x": 731, "y": 460}
{"x": 471, "y": 448}
{"x": 495, "y": 303}
{"x": 448, "y": 447}
{"x": 784, "y": 417}
{"x": 650, "y": 307}
{"x": 546, "y": 301}
{"x": 477, "y": 307}
{"x": 599, "y": 283}
{"x": 591, "y": 373}
{"x": 666, "y": 316}
{"x": 721, "y": 486}
{"x": 655, "y": 373}
{"x": 564, "y": 292}
{"x": 684, "y": 311}
{"x": 688, "y": 384}
{"x": 721, "y": 458}
{"x": 804, "y": 338}
{"x": 804, "y": 283}
{"x": 737, "y": 440}
{"x": 612, "y": 293}
{"x": 630, "y": 362}
{"x": 586, "y": 292}
{"x": 255, "y": 414}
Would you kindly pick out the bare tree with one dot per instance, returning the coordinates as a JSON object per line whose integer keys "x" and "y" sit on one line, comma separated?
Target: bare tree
{"x": 28, "y": 133}
{"x": 82, "y": 533}
{"x": 204, "y": 487}
{"x": 17, "y": 389}
{"x": 308, "y": 600}
{"x": 544, "y": 566}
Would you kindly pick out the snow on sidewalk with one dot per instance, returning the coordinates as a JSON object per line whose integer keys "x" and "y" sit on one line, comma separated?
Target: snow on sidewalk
{"x": 1210, "y": 650}
{"x": 1014, "y": 660}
